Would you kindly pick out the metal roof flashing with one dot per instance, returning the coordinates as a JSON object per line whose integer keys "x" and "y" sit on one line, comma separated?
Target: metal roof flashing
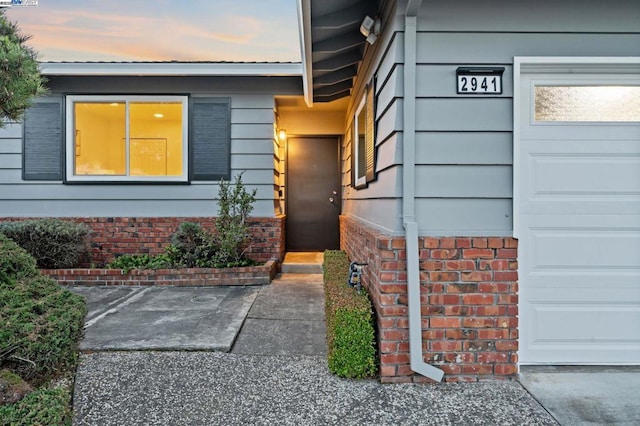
{"x": 172, "y": 68}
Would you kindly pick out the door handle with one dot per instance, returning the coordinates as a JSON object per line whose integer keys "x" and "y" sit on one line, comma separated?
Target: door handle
{"x": 331, "y": 200}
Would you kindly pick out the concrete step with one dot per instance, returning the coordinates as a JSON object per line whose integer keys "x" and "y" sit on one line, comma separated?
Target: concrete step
{"x": 302, "y": 263}
{"x": 301, "y": 268}
{"x": 284, "y": 278}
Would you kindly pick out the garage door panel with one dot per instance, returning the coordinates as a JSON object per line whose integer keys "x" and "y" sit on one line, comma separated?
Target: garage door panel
{"x": 579, "y": 230}
{"x": 553, "y": 132}
{"x": 585, "y": 323}
{"x": 590, "y": 332}
{"x": 577, "y": 205}
{"x": 585, "y": 250}
{"x": 586, "y": 175}
{"x": 554, "y": 292}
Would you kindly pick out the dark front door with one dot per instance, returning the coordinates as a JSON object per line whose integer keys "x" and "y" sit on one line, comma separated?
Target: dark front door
{"x": 313, "y": 194}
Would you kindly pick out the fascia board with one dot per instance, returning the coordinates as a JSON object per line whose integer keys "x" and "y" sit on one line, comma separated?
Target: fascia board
{"x": 306, "y": 49}
{"x": 170, "y": 69}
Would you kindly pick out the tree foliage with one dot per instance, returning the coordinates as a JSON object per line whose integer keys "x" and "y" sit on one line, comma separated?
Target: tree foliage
{"x": 20, "y": 78}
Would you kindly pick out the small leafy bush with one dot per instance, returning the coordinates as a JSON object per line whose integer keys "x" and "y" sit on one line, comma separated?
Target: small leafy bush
{"x": 41, "y": 324}
{"x": 54, "y": 243}
{"x": 129, "y": 262}
{"x": 349, "y": 316}
{"x": 232, "y": 235}
{"x": 191, "y": 247}
{"x": 15, "y": 262}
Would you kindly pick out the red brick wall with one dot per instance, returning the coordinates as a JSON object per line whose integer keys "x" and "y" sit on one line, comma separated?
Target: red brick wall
{"x": 113, "y": 236}
{"x": 468, "y": 296}
{"x": 248, "y": 275}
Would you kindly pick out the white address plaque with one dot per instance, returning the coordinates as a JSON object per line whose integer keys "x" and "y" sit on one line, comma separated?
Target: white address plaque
{"x": 479, "y": 81}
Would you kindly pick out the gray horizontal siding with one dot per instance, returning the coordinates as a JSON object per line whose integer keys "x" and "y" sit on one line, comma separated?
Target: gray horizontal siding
{"x": 10, "y": 161}
{"x": 130, "y": 208}
{"x": 11, "y": 131}
{"x": 616, "y": 16}
{"x": 464, "y": 216}
{"x": 464, "y": 148}
{"x": 491, "y": 48}
{"x": 466, "y": 181}
{"x": 251, "y": 115}
{"x": 253, "y": 153}
{"x": 95, "y": 193}
{"x": 464, "y": 114}
{"x": 10, "y": 146}
{"x": 389, "y": 120}
{"x": 252, "y": 146}
{"x": 390, "y": 153}
{"x": 384, "y": 214}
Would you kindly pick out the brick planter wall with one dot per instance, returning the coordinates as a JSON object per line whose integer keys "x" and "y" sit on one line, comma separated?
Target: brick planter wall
{"x": 114, "y": 236}
{"x": 468, "y": 296}
{"x": 250, "y": 275}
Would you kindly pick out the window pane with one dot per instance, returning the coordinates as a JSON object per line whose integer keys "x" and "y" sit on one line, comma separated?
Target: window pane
{"x": 155, "y": 138}
{"x": 361, "y": 166}
{"x": 587, "y": 103}
{"x": 99, "y": 138}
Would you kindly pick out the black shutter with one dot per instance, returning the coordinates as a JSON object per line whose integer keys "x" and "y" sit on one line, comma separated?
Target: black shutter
{"x": 43, "y": 141}
{"x": 210, "y": 139}
{"x": 370, "y": 143}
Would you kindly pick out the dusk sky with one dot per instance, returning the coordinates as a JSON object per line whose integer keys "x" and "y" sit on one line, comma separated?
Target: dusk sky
{"x": 161, "y": 30}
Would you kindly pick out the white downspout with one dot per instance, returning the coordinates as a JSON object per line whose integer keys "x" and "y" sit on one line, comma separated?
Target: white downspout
{"x": 409, "y": 194}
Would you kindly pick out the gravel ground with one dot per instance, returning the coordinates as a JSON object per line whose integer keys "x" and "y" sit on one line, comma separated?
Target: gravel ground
{"x": 213, "y": 388}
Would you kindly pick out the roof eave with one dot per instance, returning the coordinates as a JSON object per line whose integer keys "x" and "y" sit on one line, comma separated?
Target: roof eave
{"x": 170, "y": 69}
{"x": 304, "y": 25}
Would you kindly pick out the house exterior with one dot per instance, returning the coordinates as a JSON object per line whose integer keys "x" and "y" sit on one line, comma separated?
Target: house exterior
{"x": 133, "y": 149}
{"x": 499, "y": 217}
{"x": 483, "y": 158}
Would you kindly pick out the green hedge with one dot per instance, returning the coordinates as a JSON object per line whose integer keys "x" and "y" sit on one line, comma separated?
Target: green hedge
{"x": 54, "y": 243}
{"x": 350, "y": 330}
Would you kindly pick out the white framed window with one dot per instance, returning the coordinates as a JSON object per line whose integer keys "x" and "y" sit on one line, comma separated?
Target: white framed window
{"x": 360, "y": 141}
{"x": 364, "y": 150}
{"x": 127, "y": 138}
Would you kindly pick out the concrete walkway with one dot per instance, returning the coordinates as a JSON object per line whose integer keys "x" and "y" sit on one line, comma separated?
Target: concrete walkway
{"x": 275, "y": 372}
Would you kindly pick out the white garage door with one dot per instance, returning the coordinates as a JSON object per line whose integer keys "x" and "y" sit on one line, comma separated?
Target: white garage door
{"x": 578, "y": 184}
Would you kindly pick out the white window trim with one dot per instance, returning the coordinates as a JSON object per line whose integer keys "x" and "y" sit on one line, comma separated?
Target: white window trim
{"x": 362, "y": 180}
{"x": 70, "y": 138}
{"x": 572, "y": 67}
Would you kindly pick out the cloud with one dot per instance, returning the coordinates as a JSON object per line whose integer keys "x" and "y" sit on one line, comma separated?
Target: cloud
{"x": 134, "y": 31}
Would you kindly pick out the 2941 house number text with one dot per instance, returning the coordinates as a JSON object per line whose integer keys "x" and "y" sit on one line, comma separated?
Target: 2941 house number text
{"x": 479, "y": 84}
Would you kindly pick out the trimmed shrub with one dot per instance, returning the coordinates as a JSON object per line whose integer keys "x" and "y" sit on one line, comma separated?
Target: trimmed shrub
{"x": 54, "y": 243}
{"x": 15, "y": 262}
{"x": 41, "y": 325}
{"x": 349, "y": 315}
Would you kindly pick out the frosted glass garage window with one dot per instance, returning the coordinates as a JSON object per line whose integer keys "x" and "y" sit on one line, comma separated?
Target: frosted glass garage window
{"x": 587, "y": 103}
